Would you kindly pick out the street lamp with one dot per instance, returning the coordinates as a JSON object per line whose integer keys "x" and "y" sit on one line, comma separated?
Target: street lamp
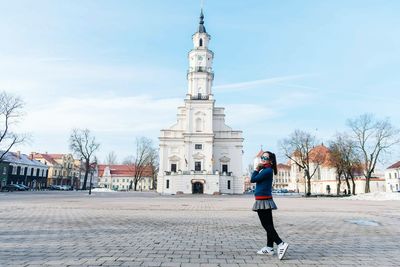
{"x": 78, "y": 181}
{"x": 92, "y": 169}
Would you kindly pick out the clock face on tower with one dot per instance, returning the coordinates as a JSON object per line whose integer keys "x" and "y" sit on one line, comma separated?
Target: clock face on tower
{"x": 199, "y": 58}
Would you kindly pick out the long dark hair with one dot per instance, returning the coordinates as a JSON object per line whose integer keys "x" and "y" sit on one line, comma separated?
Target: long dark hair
{"x": 272, "y": 158}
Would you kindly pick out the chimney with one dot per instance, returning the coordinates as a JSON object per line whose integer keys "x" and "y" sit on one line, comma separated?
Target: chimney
{"x": 19, "y": 154}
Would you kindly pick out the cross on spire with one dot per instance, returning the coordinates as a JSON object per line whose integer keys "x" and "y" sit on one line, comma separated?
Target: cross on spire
{"x": 202, "y": 29}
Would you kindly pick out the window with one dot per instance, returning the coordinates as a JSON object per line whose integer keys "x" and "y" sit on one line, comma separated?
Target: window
{"x": 167, "y": 186}
{"x": 395, "y": 175}
{"x": 32, "y": 172}
{"x": 198, "y": 146}
{"x": 19, "y": 170}
{"x": 201, "y": 42}
{"x": 197, "y": 166}
{"x": 229, "y": 184}
{"x": 26, "y": 171}
{"x": 224, "y": 168}
{"x": 4, "y": 170}
{"x": 42, "y": 173}
{"x": 173, "y": 167}
{"x": 123, "y": 180}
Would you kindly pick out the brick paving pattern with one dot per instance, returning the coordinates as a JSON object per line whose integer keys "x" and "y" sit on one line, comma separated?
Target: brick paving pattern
{"x": 145, "y": 229}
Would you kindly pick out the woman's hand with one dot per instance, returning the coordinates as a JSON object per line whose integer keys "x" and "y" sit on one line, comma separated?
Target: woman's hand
{"x": 259, "y": 167}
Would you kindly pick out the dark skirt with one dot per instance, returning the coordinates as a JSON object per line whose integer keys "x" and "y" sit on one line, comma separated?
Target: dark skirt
{"x": 264, "y": 204}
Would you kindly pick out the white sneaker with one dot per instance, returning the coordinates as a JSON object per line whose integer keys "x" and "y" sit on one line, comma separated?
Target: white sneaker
{"x": 282, "y": 248}
{"x": 266, "y": 251}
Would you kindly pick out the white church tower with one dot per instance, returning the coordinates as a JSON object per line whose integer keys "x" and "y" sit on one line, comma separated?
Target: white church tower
{"x": 200, "y": 154}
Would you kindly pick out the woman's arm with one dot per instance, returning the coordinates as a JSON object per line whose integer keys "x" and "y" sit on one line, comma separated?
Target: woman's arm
{"x": 259, "y": 176}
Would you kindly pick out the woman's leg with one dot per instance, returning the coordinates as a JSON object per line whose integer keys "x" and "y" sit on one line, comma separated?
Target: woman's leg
{"x": 268, "y": 224}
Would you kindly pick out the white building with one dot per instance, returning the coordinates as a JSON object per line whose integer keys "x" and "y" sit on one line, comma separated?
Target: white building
{"x": 324, "y": 181}
{"x": 392, "y": 177}
{"x": 200, "y": 153}
{"x": 121, "y": 178}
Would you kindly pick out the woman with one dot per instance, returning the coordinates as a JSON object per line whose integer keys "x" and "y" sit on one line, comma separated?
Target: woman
{"x": 264, "y": 204}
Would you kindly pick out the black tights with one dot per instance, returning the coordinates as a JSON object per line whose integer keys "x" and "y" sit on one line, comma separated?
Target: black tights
{"x": 268, "y": 224}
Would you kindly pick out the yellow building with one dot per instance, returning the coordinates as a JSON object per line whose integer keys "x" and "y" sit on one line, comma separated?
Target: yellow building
{"x": 62, "y": 168}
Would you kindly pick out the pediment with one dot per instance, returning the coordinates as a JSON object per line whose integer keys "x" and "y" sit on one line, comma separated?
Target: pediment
{"x": 200, "y": 113}
{"x": 224, "y": 159}
{"x": 174, "y": 158}
{"x": 198, "y": 155}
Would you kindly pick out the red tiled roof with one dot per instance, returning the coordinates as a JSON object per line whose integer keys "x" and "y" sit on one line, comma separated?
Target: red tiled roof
{"x": 56, "y": 156}
{"x": 45, "y": 157}
{"x": 395, "y": 166}
{"x": 123, "y": 170}
{"x": 321, "y": 154}
{"x": 283, "y": 166}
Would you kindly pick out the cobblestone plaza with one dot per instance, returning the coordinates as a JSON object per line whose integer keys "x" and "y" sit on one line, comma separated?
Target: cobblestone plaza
{"x": 146, "y": 229}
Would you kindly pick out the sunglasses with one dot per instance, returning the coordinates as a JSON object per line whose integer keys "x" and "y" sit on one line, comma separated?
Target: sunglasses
{"x": 264, "y": 158}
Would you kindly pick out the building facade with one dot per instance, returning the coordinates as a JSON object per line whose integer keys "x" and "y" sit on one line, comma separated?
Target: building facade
{"x": 392, "y": 177}
{"x": 121, "y": 178}
{"x": 17, "y": 168}
{"x": 62, "y": 168}
{"x": 200, "y": 153}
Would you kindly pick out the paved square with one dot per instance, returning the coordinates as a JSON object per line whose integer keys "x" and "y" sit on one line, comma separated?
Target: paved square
{"x": 145, "y": 229}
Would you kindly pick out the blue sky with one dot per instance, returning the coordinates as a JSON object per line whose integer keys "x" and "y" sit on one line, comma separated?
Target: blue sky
{"x": 118, "y": 67}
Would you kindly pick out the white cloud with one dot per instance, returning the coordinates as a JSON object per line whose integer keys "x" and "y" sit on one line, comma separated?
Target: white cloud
{"x": 250, "y": 84}
{"x": 102, "y": 114}
{"x": 48, "y": 77}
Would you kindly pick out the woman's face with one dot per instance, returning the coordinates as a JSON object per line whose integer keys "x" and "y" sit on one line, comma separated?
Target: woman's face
{"x": 265, "y": 158}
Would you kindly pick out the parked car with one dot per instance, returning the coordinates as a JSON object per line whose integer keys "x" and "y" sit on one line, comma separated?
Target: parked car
{"x": 280, "y": 191}
{"x": 24, "y": 186}
{"x": 55, "y": 187}
{"x": 12, "y": 187}
{"x": 66, "y": 187}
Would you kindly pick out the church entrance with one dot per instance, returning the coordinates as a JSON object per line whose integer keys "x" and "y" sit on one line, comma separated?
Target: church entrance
{"x": 197, "y": 188}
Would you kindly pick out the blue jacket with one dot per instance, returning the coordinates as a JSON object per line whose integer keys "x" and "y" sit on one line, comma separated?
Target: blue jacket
{"x": 263, "y": 180}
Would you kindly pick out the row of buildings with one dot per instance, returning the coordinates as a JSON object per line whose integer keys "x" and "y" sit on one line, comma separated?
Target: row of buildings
{"x": 324, "y": 181}
{"x": 42, "y": 170}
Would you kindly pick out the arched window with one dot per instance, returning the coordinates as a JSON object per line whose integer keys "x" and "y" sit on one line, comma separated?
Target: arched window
{"x": 201, "y": 42}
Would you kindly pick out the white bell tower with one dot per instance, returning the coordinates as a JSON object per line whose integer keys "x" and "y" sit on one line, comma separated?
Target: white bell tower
{"x": 200, "y": 154}
{"x": 200, "y": 75}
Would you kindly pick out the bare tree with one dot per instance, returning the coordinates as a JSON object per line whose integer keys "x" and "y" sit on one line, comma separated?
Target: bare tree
{"x": 111, "y": 158}
{"x": 154, "y": 165}
{"x": 128, "y": 160}
{"x": 299, "y": 149}
{"x": 10, "y": 113}
{"x": 337, "y": 159}
{"x": 346, "y": 159}
{"x": 83, "y": 145}
{"x": 143, "y": 159}
{"x": 373, "y": 138}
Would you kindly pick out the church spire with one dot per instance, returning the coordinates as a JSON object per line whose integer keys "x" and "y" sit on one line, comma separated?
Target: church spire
{"x": 202, "y": 29}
